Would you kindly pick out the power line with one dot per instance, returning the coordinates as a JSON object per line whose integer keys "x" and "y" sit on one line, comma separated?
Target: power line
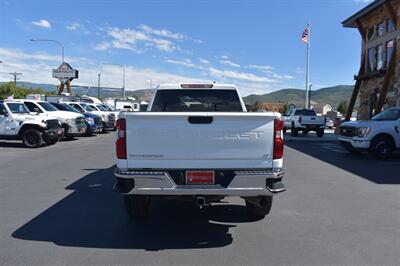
{"x": 15, "y": 75}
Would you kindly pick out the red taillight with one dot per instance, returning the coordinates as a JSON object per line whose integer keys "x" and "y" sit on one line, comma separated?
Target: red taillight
{"x": 278, "y": 141}
{"x": 121, "y": 138}
{"x": 197, "y": 86}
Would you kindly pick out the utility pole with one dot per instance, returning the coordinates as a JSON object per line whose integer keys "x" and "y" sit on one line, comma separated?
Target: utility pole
{"x": 309, "y": 96}
{"x": 15, "y": 75}
{"x": 98, "y": 86}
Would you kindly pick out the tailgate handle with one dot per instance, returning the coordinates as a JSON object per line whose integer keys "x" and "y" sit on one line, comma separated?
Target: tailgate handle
{"x": 200, "y": 119}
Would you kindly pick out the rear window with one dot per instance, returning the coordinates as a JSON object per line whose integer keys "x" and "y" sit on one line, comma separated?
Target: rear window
{"x": 196, "y": 100}
{"x": 305, "y": 112}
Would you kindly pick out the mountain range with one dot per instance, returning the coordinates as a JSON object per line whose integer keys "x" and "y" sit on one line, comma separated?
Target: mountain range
{"x": 331, "y": 95}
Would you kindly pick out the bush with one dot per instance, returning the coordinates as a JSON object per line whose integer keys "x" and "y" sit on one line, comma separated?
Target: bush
{"x": 8, "y": 89}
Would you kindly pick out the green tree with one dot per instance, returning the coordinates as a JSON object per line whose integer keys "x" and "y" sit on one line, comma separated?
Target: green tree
{"x": 342, "y": 107}
{"x": 8, "y": 89}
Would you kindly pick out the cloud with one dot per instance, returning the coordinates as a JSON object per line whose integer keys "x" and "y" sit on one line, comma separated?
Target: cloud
{"x": 238, "y": 75}
{"x": 229, "y": 63}
{"x": 184, "y": 62}
{"x": 204, "y": 61}
{"x": 43, "y": 23}
{"x": 74, "y": 26}
{"x": 102, "y": 46}
{"x": 142, "y": 38}
{"x": 263, "y": 68}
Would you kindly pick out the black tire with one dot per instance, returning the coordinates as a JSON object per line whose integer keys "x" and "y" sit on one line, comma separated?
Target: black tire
{"x": 320, "y": 132}
{"x": 305, "y": 131}
{"x": 381, "y": 147}
{"x": 284, "y": 130}
{"x": 259, "y": 212}
{"x": 51, "y": 141}
{"x": 32, "y": 138}
{"x": 137, "y": 206}
{"x": 293, "y": 131}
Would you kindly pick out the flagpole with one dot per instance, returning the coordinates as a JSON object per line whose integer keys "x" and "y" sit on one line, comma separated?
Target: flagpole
{"x": 308, "y": 66}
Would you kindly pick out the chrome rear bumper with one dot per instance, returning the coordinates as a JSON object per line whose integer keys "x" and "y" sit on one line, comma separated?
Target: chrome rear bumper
{"x": 244, "y": 184}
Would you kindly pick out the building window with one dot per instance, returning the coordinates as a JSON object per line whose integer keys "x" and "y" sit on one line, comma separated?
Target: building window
{"x": 389, "y": 51}
{"x": 379, "y": 56}
{"x": 370, "y": 34}
{"x": 371, "y": 64}
{"x": 389, "y": 25}
{"x": 380, "y": 29}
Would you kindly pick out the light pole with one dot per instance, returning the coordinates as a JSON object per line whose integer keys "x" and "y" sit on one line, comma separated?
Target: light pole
{"x": 123, "y": 76}
{"x": 309, "y": 96}
{"x": 98, "y": 86}
{"x": 57, "y": 42}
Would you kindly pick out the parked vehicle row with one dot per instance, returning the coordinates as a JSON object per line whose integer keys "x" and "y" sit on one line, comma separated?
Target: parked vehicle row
{"x": 37, "y": 122}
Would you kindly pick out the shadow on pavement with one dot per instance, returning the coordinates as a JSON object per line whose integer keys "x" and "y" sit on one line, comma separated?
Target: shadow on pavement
{"x": 363, "y": 165}
{"x": 93, "y": 216}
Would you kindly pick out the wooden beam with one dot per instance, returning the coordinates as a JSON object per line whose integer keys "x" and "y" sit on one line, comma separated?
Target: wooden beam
{"x": 391, "y": 12}
{"x": 361, "y": 29}
{"x": 389, "y": 74}
{"x": 356, "y": 89}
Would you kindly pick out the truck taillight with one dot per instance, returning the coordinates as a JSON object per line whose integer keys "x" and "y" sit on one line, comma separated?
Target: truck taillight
{"x": 121, "y": 138}
{"x": 278, "y": 141}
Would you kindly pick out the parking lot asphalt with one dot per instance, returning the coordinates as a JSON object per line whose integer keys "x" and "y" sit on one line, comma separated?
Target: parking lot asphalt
{"x": 57, "y": 207}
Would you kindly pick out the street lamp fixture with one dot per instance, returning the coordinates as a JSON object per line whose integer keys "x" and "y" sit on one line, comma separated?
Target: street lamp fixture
{"x": 57, "y": 42}
{"x": 123, "y": 76}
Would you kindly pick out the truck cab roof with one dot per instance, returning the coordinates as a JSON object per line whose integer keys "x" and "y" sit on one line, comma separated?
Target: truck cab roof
{"x": 174, "y": 86}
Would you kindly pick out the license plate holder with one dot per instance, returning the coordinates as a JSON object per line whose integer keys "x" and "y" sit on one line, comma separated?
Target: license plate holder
{"x": 200, "y": 177}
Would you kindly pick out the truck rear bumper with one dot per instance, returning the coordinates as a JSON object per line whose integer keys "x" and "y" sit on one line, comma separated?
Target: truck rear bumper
{"x": 244, "y": 184}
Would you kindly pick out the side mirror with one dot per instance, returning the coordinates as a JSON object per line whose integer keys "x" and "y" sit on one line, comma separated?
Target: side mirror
{"x": 3, "y": 112}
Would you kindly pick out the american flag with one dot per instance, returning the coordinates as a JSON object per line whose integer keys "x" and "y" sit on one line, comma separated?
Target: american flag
{"x": 305, "y": 35}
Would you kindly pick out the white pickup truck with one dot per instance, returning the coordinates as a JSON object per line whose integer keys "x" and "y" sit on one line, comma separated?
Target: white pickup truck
{"x": 197, "y": 142}
{"x": 304, "y": 120}
{"x": 16, "y": 123}
{"x": 380, "y": 135}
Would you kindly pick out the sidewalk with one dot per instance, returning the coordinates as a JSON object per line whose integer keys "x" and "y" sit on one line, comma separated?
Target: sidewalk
{"x": 329, "y": 137}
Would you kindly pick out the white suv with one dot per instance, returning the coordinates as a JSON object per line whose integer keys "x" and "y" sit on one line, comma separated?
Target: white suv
{"x": 73, "y": 123}
{"x": 380, "y": 135}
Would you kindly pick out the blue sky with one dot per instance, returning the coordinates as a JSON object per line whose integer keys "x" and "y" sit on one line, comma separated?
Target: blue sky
{"x": 254, "y": 44}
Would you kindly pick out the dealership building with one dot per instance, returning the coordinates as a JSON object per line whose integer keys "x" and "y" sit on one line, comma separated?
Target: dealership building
{"x": 378, "y": 81}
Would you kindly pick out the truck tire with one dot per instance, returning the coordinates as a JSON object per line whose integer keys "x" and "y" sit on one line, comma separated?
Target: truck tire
{"x": 381, "y": 147}
{"x": 293, "y": 131}
{"x": 137, "y": 206}
{"x": 305, "y": 131}
{"x": 320, "y": 133}
{"x": 32, "y": 138}
{"x": 51, "y": 141}
{"x": 259, "y": 212}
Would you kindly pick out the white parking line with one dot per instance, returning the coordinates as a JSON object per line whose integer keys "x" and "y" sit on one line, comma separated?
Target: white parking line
{"x": 335, "y": 148}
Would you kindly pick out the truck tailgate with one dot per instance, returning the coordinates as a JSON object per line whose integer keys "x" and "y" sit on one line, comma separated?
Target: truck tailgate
{"x": 205, "y": 141}
{"x": 312, "y": 120}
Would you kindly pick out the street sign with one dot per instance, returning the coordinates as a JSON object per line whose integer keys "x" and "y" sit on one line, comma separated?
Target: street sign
{"x": 65, "y": 73}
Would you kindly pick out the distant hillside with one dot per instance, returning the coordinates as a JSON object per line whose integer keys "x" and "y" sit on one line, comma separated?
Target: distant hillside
{"x": 332, "y": 95}
{"x": 144, "y": 94}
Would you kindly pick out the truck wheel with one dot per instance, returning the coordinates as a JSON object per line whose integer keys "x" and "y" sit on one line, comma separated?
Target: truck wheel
{"x": 137, "y": 206}
{"x": 381, "y": 148}
{"x": 51, "y": 141}
{"x": 294, "y": 131}
{"x": 305, "y": 132}
{"x": 320, "y": 133}
{"x": 32, "y": 138}
{"x": 261, "y": 211}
